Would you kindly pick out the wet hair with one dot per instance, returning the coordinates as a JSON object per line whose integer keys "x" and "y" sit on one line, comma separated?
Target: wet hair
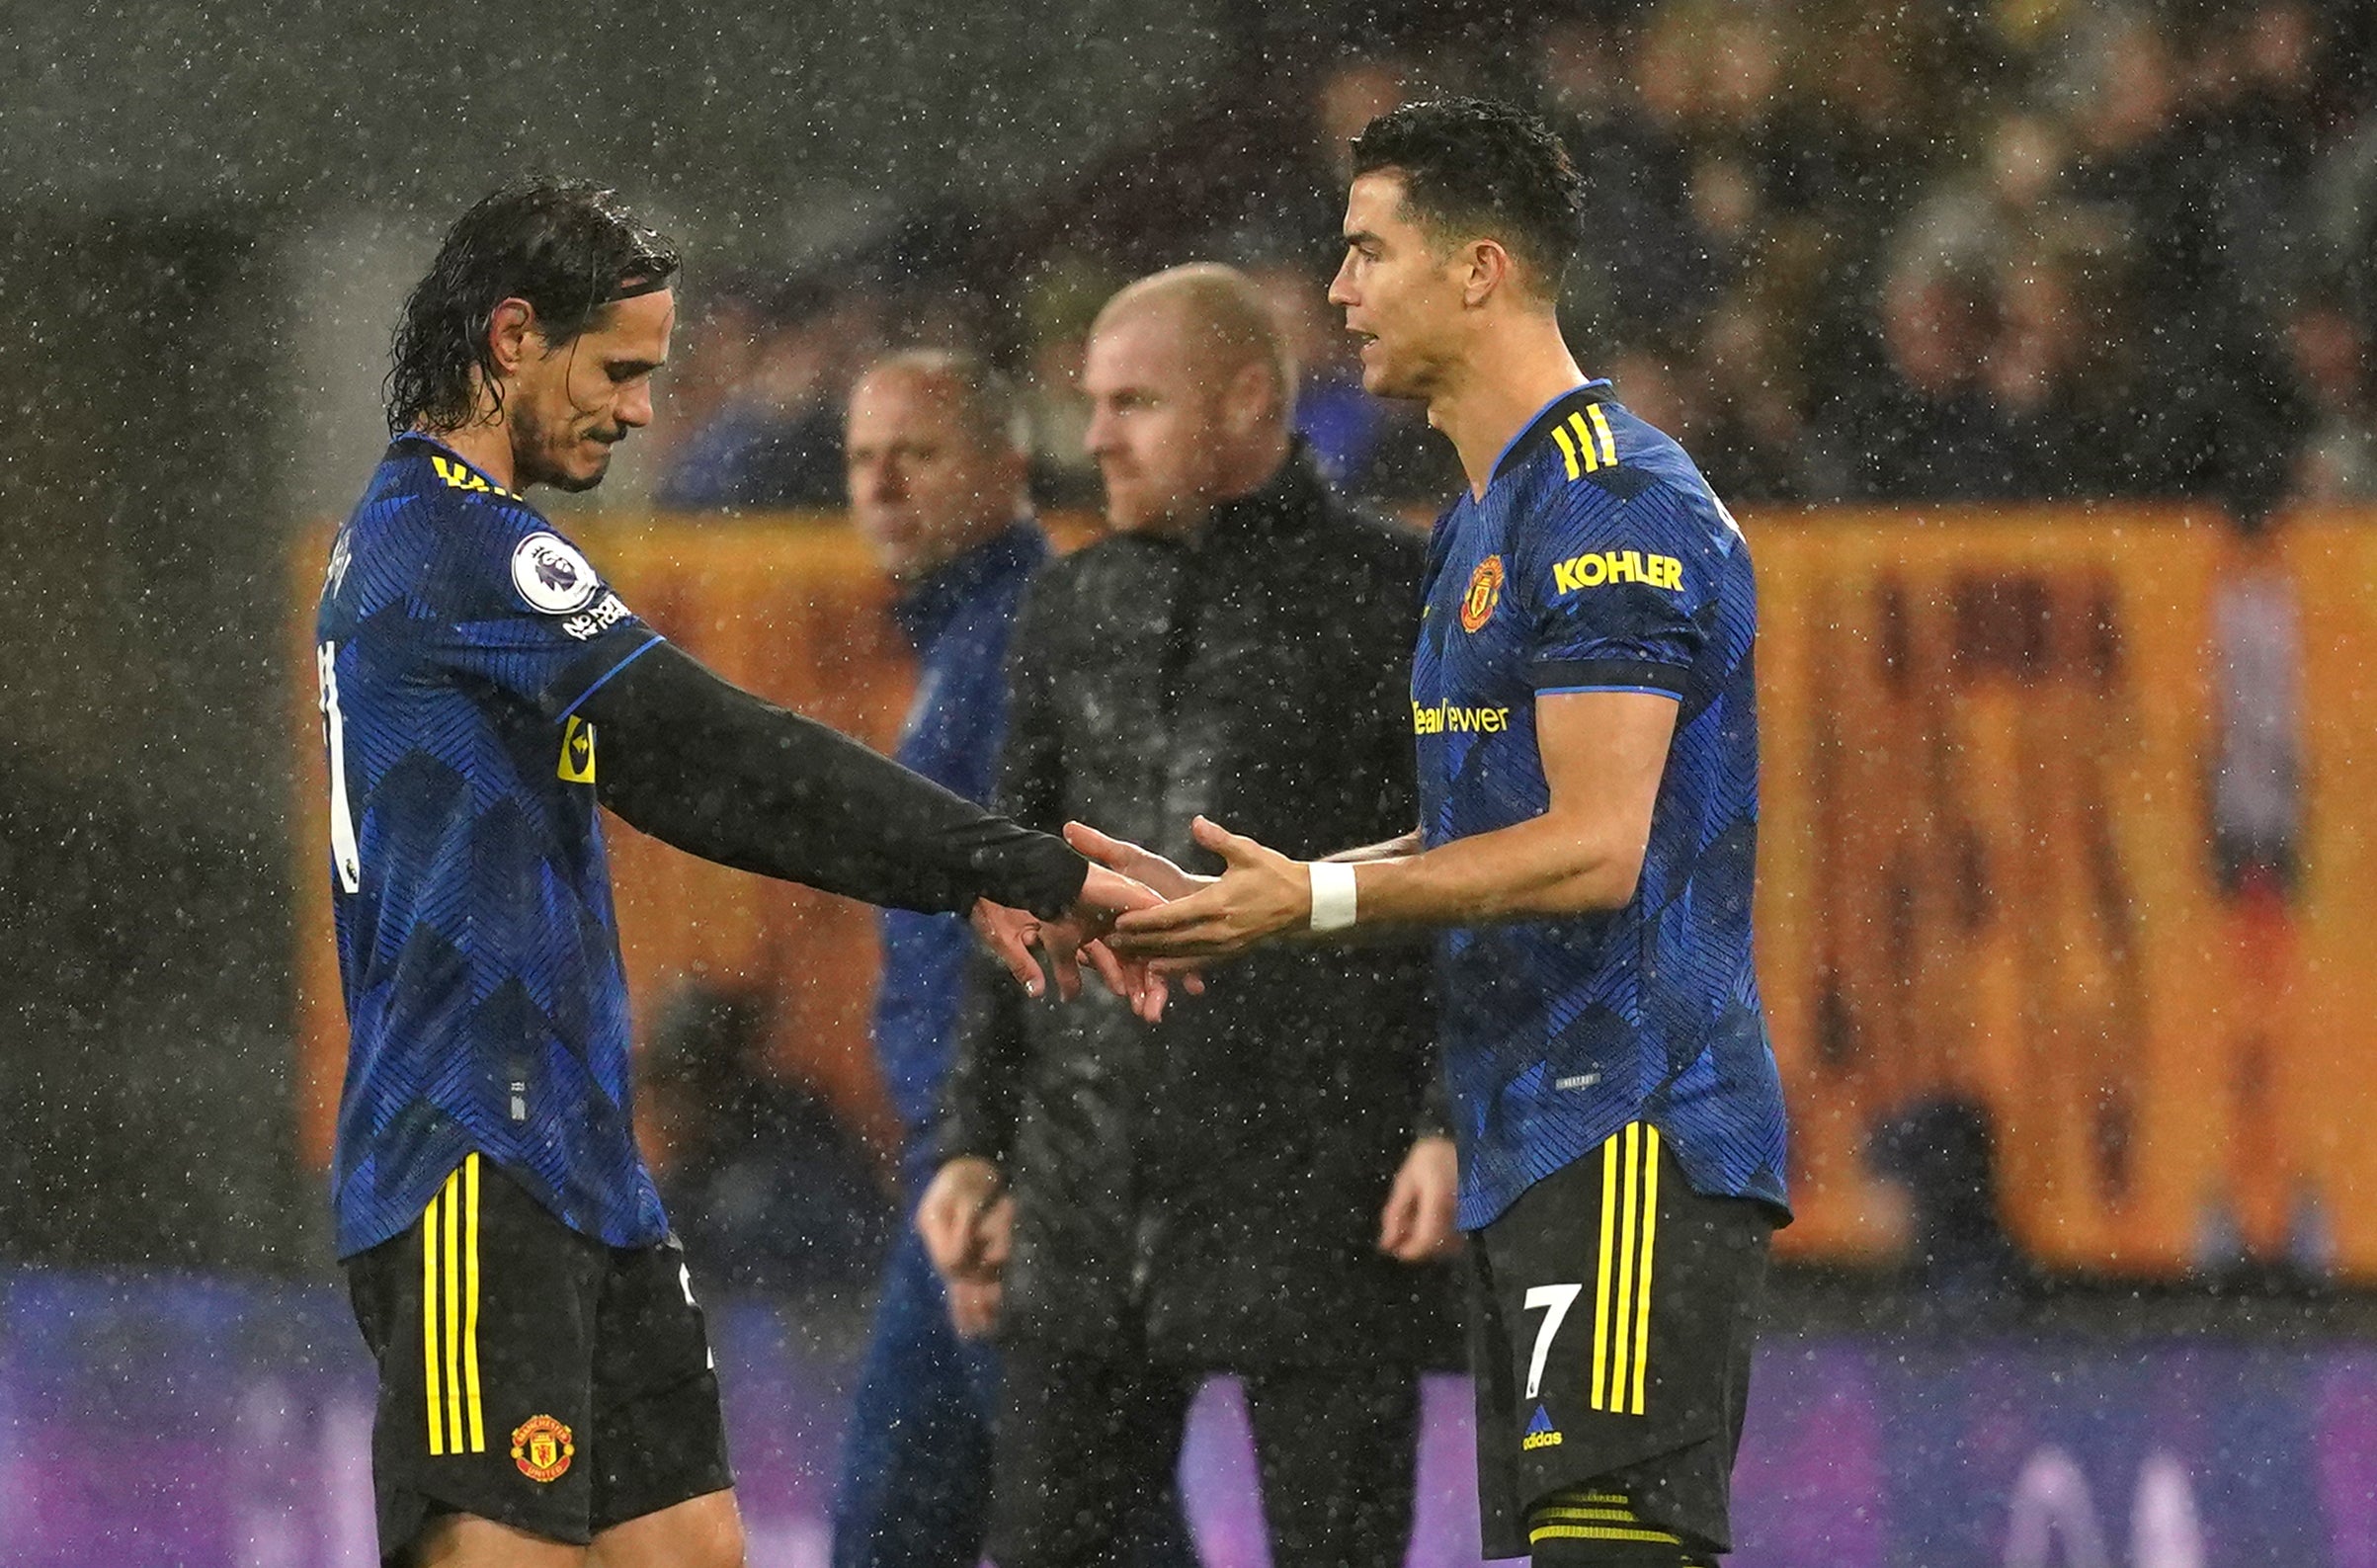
{"x": 986, "y": 402}
{"x": 568, "y": 247}
{"x": 1472, "y": 166}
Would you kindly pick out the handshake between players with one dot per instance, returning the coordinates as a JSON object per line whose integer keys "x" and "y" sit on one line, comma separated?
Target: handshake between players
{"x": 1141, "y": 921}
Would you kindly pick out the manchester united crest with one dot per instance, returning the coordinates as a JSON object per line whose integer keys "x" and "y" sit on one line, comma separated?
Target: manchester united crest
{"x": 542, "y": 1447}
{"x": 1485, "y": 591}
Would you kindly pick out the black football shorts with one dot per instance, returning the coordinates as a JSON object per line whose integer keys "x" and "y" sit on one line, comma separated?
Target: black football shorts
{"x": 1613, "y": 1310}
{"x": 529, "y": 1375}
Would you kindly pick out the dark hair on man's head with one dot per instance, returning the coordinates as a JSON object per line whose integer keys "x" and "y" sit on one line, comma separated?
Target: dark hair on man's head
{"x": 568, "y": 247}
{"x": 1472, "y": 166}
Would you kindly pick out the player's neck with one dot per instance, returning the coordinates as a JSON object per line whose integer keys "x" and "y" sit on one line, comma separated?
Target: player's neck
{"x": 485, "y": 445}
{"x": 1495, "y": 391}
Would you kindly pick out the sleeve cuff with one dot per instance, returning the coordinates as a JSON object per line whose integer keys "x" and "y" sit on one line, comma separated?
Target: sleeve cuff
{"x": 1609, "y": 675}
{"x": 1035, "y": 872}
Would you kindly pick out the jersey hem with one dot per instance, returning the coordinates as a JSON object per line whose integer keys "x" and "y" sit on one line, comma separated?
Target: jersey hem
{"x": 351, "y": 1242}
{"x": 1491, "y": 1206}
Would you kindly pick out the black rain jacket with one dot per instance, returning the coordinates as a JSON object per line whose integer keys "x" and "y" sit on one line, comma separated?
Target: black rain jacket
{"x": 1216, "y": 1180}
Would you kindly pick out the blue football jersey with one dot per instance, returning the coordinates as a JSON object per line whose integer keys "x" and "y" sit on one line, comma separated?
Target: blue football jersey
{"x": 1599, "y": 560}
{"x": 487, "y": 1009}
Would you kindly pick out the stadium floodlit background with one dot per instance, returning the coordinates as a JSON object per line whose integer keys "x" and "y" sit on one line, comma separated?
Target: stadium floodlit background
{"x": 2030, "y": 339}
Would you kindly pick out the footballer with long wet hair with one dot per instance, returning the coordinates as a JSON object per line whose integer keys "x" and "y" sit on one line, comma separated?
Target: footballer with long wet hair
{"x": 545, "y": 1380}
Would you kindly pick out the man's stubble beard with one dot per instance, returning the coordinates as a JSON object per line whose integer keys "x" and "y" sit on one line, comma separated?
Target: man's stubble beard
{"x": 578, "y": 485}
{"x": 1411, "y": 386}
{"x": 539, "y": 457}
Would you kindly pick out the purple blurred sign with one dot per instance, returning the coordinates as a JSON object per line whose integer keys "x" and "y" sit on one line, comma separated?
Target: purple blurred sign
{"x": 217, "y": 1424}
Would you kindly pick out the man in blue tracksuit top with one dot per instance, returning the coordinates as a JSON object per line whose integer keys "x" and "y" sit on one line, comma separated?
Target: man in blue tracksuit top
{"x": 937, "y": 465}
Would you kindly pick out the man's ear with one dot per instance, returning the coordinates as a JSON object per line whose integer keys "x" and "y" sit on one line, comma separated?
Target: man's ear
{"x": 509, "y": 327}
{"x": 1255, "y": 396}
{"x": 1486, "y": 269}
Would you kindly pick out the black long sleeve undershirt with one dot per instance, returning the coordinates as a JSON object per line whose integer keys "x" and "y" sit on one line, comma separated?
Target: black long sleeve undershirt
{"x": 718, "y": 773}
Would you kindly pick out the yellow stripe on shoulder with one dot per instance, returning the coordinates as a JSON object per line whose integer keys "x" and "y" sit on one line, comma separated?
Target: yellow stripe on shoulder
{"x": 1586, "y": 447}
{"x": 1592, "y": 458}
{"x": 1568, "y": 452}
{"x": 1600, "y": 428}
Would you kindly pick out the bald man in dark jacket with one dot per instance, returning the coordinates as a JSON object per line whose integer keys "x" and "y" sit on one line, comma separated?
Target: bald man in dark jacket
{"x": 1255, "y": 1185}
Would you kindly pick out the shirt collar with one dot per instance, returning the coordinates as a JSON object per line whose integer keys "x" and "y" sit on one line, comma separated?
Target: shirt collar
{"x": 1290, "y": 495}
{"x": 1538, "y": 429}
{"x": 927, "y": 605}
{"x": 422, "y": 438}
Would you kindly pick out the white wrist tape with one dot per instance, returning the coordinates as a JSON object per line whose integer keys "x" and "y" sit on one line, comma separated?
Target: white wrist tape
{"x": 1332, "y": 896}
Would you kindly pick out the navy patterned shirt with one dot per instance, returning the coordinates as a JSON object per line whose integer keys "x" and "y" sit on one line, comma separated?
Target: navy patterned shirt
{"x": 1599, "y": 560}
{"x": 486, "y": 1006}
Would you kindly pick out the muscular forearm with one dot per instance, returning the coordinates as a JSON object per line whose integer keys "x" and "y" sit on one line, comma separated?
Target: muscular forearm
{"x": 1543, "y": 867}
{"x": 1605, "y": 753}
{"x": 1392, "y": 849}
{"x": 718, "y": 773}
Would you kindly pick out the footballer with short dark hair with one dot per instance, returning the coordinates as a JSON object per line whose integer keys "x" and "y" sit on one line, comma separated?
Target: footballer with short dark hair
{"x": 1585, "y": 713}
{"x": 545, "y": 1380}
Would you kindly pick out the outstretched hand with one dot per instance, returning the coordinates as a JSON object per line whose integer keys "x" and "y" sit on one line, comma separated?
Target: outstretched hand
{"x": 1104, "y": 895}
{"x": 1141, "y": 865}
{"x": 1150, "y": 869}
{"x": 1259, "y": 894}
{"x": 1013, "y": 935}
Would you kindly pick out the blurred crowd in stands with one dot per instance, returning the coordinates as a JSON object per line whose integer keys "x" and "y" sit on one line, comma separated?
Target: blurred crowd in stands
{"x": 1942, "y": 249}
